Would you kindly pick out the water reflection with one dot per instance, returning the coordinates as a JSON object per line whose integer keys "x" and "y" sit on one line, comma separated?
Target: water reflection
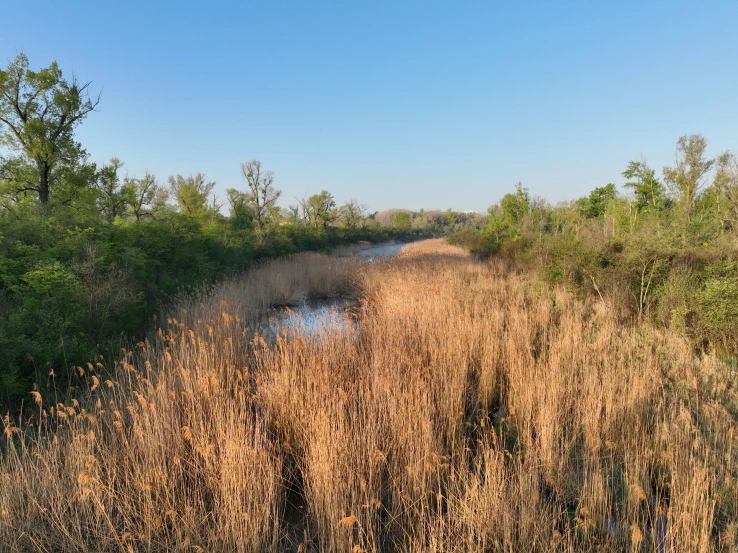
{"x": 314, "y": 318}
{"x": 367, "y": 251}
{"x": 386, "y": 250}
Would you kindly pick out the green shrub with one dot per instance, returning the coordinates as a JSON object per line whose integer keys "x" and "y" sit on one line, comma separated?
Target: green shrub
{"x": 717, "y": 305}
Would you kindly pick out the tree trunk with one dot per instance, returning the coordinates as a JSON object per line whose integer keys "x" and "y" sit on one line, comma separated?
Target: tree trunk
{"x": 43, "y": 184}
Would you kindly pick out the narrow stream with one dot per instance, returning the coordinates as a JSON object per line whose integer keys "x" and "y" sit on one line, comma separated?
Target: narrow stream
{"x": 315, "y": 317}
{"x": 385, "y": 250}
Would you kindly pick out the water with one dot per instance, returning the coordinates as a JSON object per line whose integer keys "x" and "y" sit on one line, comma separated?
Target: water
{"x": 318, "y": 317}
{"x": 368, "y": 252}
{"x": 385, "y": 250}
{"x": 314, "y": 318}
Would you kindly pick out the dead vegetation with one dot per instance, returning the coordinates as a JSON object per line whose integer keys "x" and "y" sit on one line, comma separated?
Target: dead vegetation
{"x": 471, "y": 409}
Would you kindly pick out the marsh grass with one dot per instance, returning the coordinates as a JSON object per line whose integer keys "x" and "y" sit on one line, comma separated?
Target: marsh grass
{"x": 470, "y": 409}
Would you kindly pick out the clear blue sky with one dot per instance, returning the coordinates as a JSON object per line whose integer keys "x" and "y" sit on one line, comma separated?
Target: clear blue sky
{"x": 397, "y": 103}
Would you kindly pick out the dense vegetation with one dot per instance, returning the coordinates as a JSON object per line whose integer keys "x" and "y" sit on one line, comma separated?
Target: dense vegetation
{"x": 508, "y": 401}
{"x": 461, "y": 407}
{"x": 88, "y": 254}
{"x": 666, "y": 250}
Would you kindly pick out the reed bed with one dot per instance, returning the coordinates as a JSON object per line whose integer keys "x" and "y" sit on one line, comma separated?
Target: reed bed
{"x": 469, "y": 409}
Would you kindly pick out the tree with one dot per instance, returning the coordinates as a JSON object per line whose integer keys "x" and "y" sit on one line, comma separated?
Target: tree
{"x": 436, "y": 217}
{"x": 650, "y": 194}
{"x": 146, "y": 197}
{"x": 687, "y": 177}
{"x": 242, "y": 216}
{"x": 263, "y": 194}
{"x": 726, "y": 190}
{"x": 192, "y": 194}
{"x": 451, "y": 218}
{"x": 403, "y": 221}
{"x": 292, "y": 214}
{"x": 386, "y": 218}
{"x": 515, "y": 206}
{"x": 322, "y": 209}
{"x": 595, "y": 205}
{"x": 112, "y": 197}
{"x": 39, "y": 111}
{"x": 505, "y": 218}
{"x": 352, "y": 213}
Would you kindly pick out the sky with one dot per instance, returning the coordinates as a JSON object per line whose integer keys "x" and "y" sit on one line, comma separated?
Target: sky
{"x": 395, "y": 103}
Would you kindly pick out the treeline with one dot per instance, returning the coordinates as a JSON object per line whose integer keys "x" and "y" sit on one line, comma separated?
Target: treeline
{"x": 662, "y": 249}
{"x": 88, "y": 253}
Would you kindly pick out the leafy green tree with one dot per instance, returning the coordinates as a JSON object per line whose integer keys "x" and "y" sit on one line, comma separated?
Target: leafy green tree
{"x": 263, "y": 196}
{"x": 146, "y": 198}
{"x": 321, "y": 209}
{"x": 451, "y": 218}
{"x": 403, "y": 221}
{"x": 420, "y": 221}
{"x": 515, "y": 206}
{"x": 113, "y": 198}
{"x": 594, "y": 206}
{"x": 352, "y": 213}
{"x": 15, "y": 200}
{"x": 650, "y": 194}
{"x": 241, "y": 212}
{"x": 505, "y": 218}
{"x": 39, "y": 111}
{"x": 192, "y": 194}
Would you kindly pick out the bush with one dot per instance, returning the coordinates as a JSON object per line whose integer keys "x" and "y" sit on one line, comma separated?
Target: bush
{"x": 717, "y": 305}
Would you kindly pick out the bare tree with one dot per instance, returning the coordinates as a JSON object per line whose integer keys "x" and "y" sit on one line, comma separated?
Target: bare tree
{"x": 263, "y": 194}
{"x": 304, "y": 206}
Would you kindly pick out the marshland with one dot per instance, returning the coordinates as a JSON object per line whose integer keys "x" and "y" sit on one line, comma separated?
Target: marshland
{"x": 368, "y": 277}
{"x": 471, "y": 407}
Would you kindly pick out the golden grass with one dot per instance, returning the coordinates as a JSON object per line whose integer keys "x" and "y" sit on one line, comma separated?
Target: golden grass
{"x": 470, "y": 410}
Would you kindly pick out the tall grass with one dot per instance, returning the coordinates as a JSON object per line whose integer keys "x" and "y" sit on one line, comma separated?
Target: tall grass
{"x": 469, "y": 409}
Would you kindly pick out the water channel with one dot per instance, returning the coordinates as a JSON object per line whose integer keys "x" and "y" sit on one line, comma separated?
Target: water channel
{"x": 313, "y": 318}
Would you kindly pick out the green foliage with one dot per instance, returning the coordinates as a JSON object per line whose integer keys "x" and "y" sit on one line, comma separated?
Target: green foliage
{"x": 263, "y": 195}
{"x": 241, "y": 213}
{"x": 717, "y": 304}
{"x": 650, "y": 194}
{"x": 504, "y": 220}
{"x": 667, "y": 259}
{"x": 451, "y": 218}
{"x": 595, "y": 205}
{"x": 688, "y": 176}
{"x": 39, "y": 111}
{"x": 191, "y": 194}
{"x": 352, "y": 214}
{"x": 112, "y": 198}
{"x": 88, "y": 256}
{"x": 321, "y": 209}
{"x": 72, "y": 293}
{"x": 515, "y": 206}
{"x": 403, "y": 221}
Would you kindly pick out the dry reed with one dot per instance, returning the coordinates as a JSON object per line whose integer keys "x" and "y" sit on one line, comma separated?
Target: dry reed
{"x": 470, "y": 409}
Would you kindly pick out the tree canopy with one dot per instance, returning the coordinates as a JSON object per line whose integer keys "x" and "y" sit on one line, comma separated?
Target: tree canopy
{"x": 39, "y": 111}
